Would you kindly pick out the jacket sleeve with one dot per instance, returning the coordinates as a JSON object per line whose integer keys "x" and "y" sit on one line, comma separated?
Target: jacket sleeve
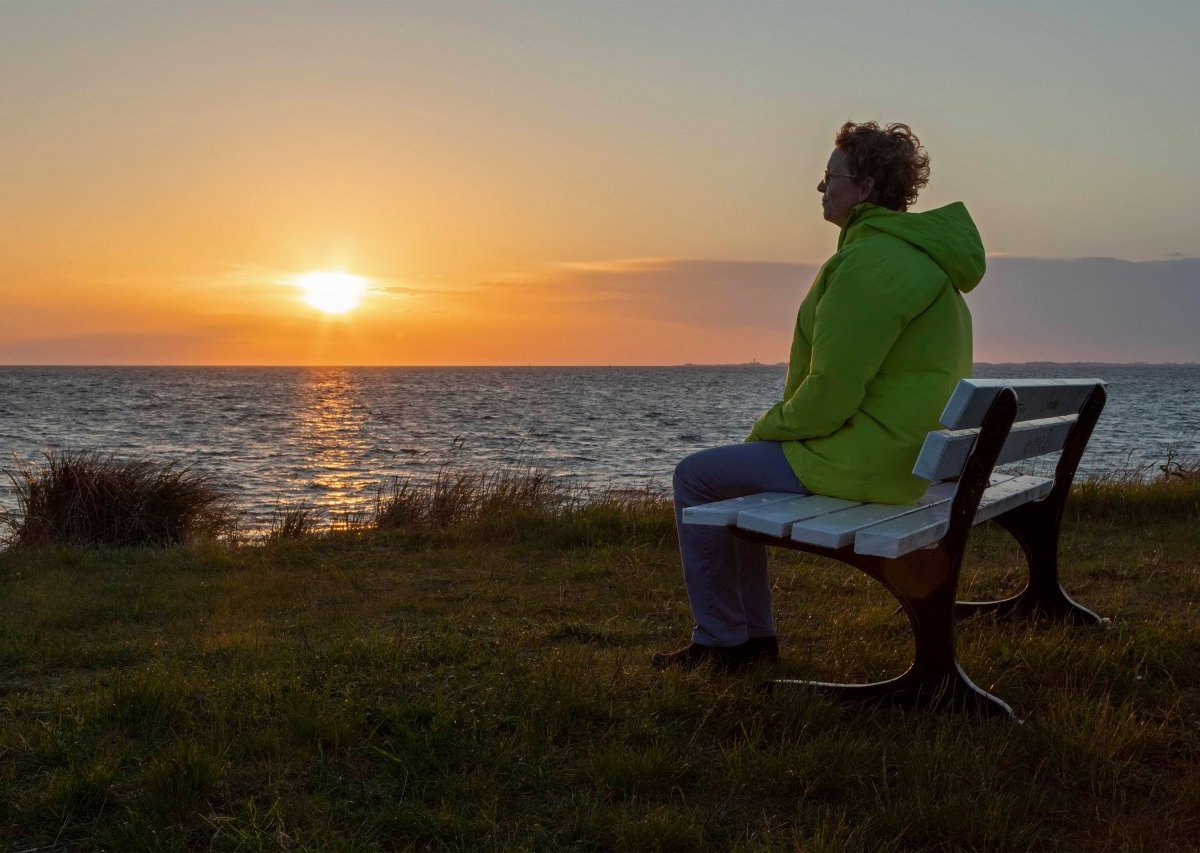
{"x": 861, "y": 314}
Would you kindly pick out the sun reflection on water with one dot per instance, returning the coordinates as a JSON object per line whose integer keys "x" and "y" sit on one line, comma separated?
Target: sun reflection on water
{"x": 333, "y": 432}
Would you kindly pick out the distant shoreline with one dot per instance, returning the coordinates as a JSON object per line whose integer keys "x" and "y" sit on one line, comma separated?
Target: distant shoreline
{"x": 544, "y": 366}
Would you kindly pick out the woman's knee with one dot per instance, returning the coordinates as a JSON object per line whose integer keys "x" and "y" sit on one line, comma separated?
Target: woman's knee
{"x": 684, "y": 477}
{"x": 702, "y": 475}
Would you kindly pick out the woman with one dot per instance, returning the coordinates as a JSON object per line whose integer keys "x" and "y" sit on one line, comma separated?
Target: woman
{"x": 881, "y": 339}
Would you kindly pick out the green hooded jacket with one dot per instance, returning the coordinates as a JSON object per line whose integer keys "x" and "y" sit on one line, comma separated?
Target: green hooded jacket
{"x": 882, "y": 338}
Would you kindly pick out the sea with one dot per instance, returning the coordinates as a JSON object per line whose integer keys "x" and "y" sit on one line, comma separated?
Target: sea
{"x": 332, "y": 437}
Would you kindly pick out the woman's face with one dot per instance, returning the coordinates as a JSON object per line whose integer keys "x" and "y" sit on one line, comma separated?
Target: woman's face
{"x": 839, "y": 192}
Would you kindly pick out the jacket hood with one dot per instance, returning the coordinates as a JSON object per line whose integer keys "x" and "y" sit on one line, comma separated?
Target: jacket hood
{"x": 946, "y": 234}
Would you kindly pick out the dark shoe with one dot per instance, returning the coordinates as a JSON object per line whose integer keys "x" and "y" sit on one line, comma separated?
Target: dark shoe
{"x": 764, "y": 649}
{"x": 723, "y": 658}
{"x": 687, "y": 658}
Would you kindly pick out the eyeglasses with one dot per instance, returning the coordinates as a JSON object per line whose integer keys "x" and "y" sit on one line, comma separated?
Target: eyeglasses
{"x": 829, "y": 174}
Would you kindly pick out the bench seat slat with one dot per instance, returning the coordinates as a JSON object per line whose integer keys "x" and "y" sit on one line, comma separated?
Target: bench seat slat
{"x": 837, "y": 529}
{"x": 776, "y": 519}
{"x": 1000, "y": 499}
{"x": 945, "y": 453}
{"x": 724, "y": 513}
{"x": 1036, "y": 398}
{"x": 926, "y": 526}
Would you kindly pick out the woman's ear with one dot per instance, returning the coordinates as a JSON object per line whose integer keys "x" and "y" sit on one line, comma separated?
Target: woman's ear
{"x": 866, "y": 189}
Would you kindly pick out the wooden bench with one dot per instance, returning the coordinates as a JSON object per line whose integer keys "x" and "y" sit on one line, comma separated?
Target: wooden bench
{"x": 916, "y": 551}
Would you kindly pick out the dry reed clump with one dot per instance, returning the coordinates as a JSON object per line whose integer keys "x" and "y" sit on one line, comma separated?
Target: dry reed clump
{"x": 290, "y": 522}
{"x": 458, "y": 497}
{"x": 1174, "y": 469}
{"x": 81, "y": 498}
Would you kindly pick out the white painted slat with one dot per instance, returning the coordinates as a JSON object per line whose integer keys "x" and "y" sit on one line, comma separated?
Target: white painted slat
{"x": 927, "y": 526}
{"x": 1036, "y": 398}
{"x": 725, "y": 513}
{"x": 904, "y": 534}
{"x": 777, "y": 519}
{"x": 837, "y": 529}
{"x": 1017, "y": 491}
{"x": 945, "y": 452}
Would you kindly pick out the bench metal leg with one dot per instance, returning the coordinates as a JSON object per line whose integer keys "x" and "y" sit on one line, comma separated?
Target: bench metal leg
{"x": 912, "y": 689}
{"x": 935, "y": 679}
{"x": 1035, "y": 527}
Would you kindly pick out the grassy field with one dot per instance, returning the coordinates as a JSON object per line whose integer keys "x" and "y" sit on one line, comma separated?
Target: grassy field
{"x": 483, "y": 684}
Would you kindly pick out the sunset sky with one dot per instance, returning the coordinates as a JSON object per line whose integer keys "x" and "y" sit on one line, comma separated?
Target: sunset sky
{"x": 574, "y": 182}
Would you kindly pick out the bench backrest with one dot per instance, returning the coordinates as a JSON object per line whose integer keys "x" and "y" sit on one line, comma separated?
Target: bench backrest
{"x": 984, "y": 414}
{"x": 1047, "y": 410}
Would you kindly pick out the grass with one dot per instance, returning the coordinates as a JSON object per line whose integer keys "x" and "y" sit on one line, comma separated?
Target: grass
{"x": 481, "y": 683}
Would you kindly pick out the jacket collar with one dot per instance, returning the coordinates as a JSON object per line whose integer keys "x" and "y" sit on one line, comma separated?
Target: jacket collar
{"x": 858, "y": 215}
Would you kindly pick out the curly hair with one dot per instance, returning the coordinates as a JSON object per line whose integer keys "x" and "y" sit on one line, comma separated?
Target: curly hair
{"x": 892, "y": 155}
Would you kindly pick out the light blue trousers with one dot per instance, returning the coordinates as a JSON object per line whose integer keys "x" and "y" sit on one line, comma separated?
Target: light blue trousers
{"x": 726, "y": 577}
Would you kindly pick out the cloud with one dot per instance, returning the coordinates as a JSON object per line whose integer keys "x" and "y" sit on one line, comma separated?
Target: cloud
{"x": 1026, "y": 309}
{"x": 655, "y": 311}
{"x": 508, "y": 284}
{"x": 1087, "y": 309}
{"x": 619, "y": 265}
{"x": 401, "y": 290}
{"x": 697, "y": 292}
{"x": 108, "y": 348}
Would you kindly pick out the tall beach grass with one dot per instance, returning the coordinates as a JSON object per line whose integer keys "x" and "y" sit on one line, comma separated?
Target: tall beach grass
{"x": 87, "y": 499}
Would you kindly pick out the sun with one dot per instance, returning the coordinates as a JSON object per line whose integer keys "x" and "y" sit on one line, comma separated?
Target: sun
{"x": 332, "y": 292}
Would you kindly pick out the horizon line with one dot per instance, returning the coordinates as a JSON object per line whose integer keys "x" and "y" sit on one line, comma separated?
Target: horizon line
{"x": 4, "y": 366}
